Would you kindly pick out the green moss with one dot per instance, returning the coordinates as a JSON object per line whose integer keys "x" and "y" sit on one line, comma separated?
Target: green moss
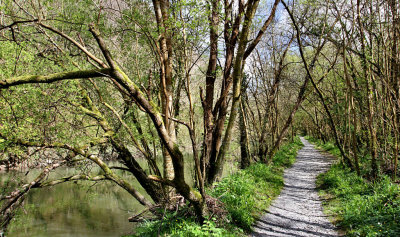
{"x": 196, "y": 193}
{"x": 155, "y": 108}
{"x": 131, "y": 84}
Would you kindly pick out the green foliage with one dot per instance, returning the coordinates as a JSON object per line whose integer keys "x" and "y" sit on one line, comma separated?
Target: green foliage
{"x": 286, "y": 155}
{"x": 360, "y": 207}
{"x": 328, "y": 146}
{"x": 176, "y": 225}
{"x": 245, "y": 195}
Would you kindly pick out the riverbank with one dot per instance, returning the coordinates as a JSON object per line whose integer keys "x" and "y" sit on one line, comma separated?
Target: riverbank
{"x": 358, "y": 206}
{"x": 244, "y": 196}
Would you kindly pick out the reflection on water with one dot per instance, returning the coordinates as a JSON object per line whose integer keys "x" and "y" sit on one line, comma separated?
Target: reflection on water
{"x": 74, "y": 209}
{"x": 78, "y": 209}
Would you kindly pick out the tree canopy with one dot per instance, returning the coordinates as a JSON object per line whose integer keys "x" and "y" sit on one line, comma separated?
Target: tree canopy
{"x": 195, "y": 82}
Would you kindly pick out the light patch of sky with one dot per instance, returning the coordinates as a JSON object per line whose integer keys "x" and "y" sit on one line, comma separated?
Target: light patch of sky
{"x": 280, "y": 28}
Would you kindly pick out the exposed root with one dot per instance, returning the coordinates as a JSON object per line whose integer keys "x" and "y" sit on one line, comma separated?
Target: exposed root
{"x": 216, "y": 209}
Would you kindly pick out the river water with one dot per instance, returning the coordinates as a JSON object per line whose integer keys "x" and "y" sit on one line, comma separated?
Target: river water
{"x": 73, "y": 209}
{"x": 77, "y": 209}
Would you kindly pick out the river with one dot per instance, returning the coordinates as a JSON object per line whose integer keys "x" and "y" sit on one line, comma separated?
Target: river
{"x": 73, "y": 209}
{"x": 76, "y": 209}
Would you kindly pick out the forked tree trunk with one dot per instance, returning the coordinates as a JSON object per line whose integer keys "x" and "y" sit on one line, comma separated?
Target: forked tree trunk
{"x": 237, "y": 81}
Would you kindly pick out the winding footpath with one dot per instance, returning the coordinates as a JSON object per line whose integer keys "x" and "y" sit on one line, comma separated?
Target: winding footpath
{"x": 298, "y": 211}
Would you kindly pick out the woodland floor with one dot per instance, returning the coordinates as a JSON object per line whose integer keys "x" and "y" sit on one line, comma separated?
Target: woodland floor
{"x": 298, "y": 210}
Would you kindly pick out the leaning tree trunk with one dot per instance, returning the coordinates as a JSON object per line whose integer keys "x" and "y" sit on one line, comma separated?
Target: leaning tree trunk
{"x": 244, "y": 141}
{"x": 321, "y": 97}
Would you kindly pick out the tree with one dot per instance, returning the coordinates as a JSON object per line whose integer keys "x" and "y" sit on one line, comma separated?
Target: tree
{"x": 366, "y": 68}
{"x": 125, "y": 102}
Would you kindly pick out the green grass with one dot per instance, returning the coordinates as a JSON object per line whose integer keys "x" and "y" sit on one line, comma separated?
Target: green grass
{"x": 245, "y": 195}
{"x": 179, "y": 226}
{"x": 249, "y": 192}
{"x": 361, "y": 207}
{"x": 328, "y": 146}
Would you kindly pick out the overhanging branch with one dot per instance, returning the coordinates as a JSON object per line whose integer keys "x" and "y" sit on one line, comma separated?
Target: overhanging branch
{"x": 14, "y": 81}
{"x": 72, "y": 178}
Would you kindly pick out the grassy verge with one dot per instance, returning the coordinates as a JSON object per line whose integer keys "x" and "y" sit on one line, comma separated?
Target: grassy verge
{"x": 360, "y": 207}
{"x": 245, "y": 195}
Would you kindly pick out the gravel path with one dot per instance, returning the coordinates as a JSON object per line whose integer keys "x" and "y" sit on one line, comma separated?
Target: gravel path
{"x": 298, "y": 211}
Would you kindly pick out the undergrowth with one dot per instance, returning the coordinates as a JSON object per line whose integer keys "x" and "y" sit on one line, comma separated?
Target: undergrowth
{"x": 245, "y": 195}
{"x": 360, "y": 207}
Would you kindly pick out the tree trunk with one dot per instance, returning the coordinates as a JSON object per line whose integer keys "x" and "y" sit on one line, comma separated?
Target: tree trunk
{"x": 216, "y": 171}
{"x": 370, "y": 104}
{"x": 353, "y": 113}
{"x": 244, "y": 147}
{"x": 210, "y": 81}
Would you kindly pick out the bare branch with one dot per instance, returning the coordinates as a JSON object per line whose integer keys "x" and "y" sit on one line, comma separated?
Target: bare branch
{"x": 96, "y": 34}
{"x": 73, "y": 178}
{"x": 254, "y": 43}
{"x": 80, "y": 46}
{"x": 16, "y": 23}
{"x": 161, "y": 180}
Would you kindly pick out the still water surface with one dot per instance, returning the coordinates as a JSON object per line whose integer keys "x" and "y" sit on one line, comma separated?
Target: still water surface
{"x": 73, "y": 209}
{"x": 78, "y": 209}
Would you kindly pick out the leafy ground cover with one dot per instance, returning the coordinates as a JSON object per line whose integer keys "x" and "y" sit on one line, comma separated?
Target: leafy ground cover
{"x": 244, "y": 196}
{"x": 360, "y": 207}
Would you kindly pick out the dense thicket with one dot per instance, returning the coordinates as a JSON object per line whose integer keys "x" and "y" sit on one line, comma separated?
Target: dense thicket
{"x": 361, "y": 93}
